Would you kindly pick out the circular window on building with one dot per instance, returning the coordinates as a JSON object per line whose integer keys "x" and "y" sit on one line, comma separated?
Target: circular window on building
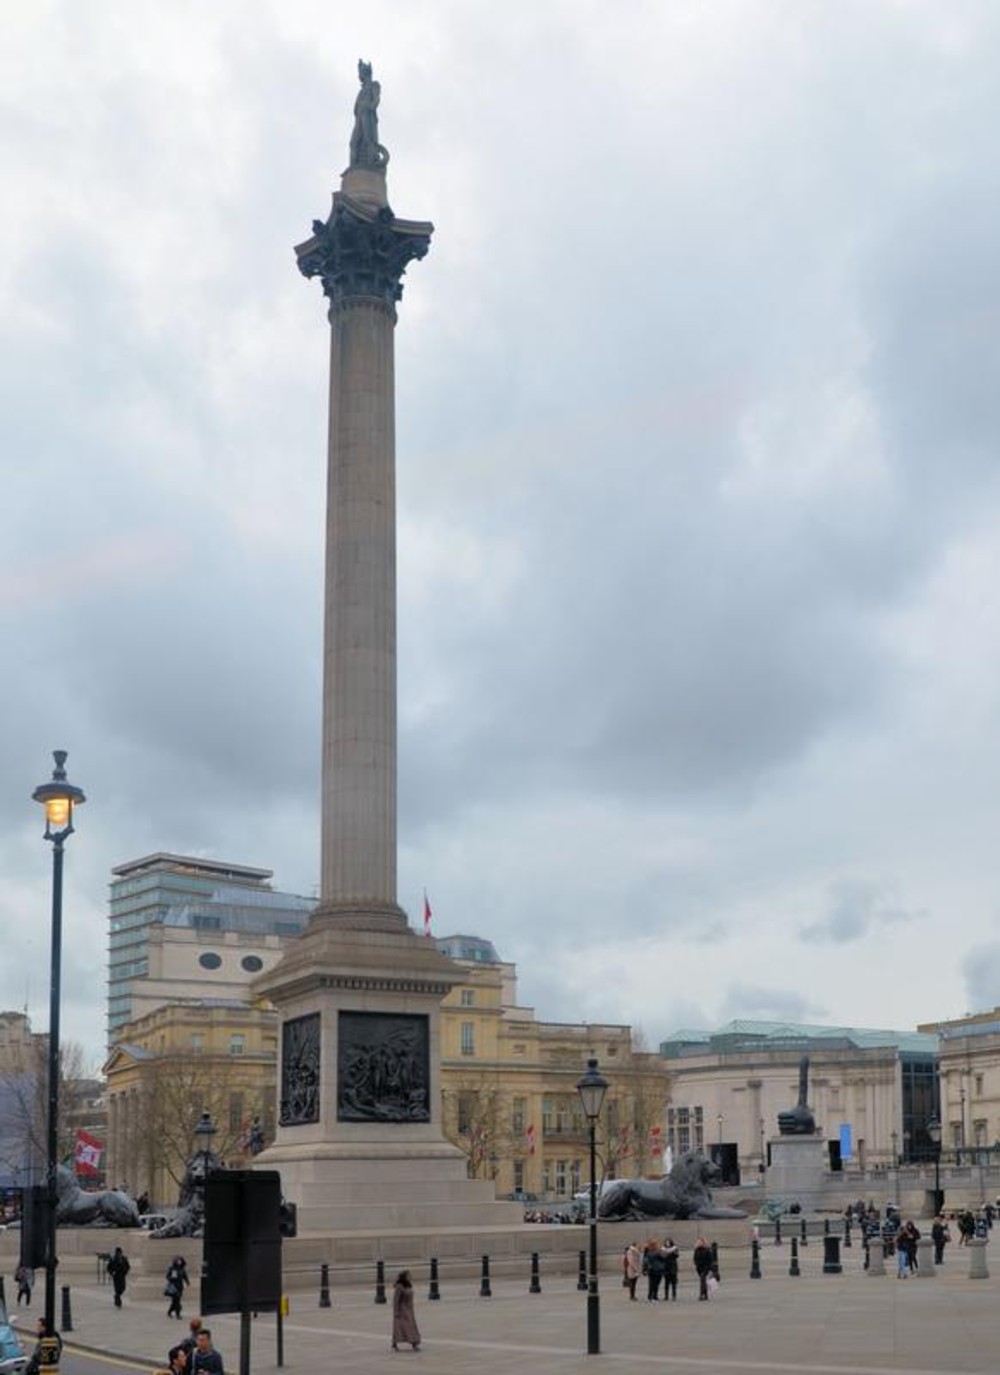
{"x": 253, "y": 964}
{"x": 210, "y": 960}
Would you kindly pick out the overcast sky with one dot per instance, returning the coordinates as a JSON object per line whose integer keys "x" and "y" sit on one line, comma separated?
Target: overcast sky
{"x": 699, "y": 496}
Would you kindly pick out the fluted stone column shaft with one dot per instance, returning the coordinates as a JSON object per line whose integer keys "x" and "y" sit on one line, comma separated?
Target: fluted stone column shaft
{"x": 358, "y": 853}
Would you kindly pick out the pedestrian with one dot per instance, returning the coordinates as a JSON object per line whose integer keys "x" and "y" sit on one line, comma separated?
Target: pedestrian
{"x": 205, "y": 1360}
{"x": 176, "y": 1280}
{"x": 703, "y": 1265}
{"x": 671, "y": 1260}
{"x": 24, "y": 1277}
{"x": 941, "y": 1236}
{"x": 118, "y": 1268}
{"x": 404, "y": 1323}
{"x": 186, "y": 1346}
{"x": 632, "y": 1263}
{"x": 654, "y": 1267}
{"x": 43, "y": 1333}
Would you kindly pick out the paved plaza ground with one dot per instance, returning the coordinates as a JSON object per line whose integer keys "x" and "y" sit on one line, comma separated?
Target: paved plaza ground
{"x": 851, "y": 1324}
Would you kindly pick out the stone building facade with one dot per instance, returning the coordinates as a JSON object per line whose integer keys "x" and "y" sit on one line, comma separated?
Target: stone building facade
{"x": 872, "y": 1091}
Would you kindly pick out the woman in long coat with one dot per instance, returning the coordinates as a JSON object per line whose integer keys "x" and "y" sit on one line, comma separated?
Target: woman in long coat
{"x": 404, "y": 1324}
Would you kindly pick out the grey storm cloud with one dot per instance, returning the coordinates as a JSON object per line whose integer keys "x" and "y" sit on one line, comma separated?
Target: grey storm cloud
{"x": 856, "y": 907}
{"x": 742, "y": 1001}
{"x": 981, "y": 971}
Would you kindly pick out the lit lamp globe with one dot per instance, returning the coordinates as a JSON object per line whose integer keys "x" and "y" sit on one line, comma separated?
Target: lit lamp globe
{"x": 58, "y": 797}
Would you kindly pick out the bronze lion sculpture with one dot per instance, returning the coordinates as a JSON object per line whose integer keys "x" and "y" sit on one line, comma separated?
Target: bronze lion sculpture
{"x": 683, "y": 1193}
{"x": 74, "y": 1208}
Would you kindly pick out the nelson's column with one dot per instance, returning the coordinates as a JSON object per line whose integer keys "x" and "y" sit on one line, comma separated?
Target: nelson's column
{"x": 358, "y": 995}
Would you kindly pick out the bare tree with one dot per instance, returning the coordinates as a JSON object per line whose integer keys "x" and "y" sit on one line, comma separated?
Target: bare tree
{"x": 477, "y": 1119}
{"x": 175, "y": 1090}
{"x": 25, "y": 1093}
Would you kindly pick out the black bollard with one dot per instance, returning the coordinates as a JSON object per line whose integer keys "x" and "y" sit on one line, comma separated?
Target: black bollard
{"x": 805, "y": 1233}
{"x": 715, "y": 1261}
{"x": 847, "y": 1233}
{"x": 380, "y": 1281}
{"x": 485, "y": 1292}
{"x": 324, "y": 1286}
{"x": 831, "y": 1255}
{"x": 777, "y": 1231}
{"x": 434, "y": 1292}
{"x": 868, "y": 1254}
{"x": 535, "y": 1287}
{"x": 755, "y": 1259}
{"x": 67, "y": 1311}
{"x": 581, "y": 1282}
{"x": 793, "y": 1268}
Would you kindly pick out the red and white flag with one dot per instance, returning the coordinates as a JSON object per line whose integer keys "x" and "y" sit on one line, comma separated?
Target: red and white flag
{"x": 427, "y": 915}
{"x": 87, "y": 1156}
{"x": 529, "y": 1136}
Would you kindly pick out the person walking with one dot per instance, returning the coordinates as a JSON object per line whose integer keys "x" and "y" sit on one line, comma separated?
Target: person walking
{"x": 24, "y": 1278}
{"x": 702, "y": 1259}
{"x": 671, "y": 1263}
{"x": 118, "y": 1268}
{"x": 404, "y": 1323}
{"x": 632, "y": 1263}
{"x": 176, "y": 1281}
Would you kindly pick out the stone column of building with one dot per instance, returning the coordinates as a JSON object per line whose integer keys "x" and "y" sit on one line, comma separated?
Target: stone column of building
{"x": 359, "y": 1140}
{"x": 359, "y": 255}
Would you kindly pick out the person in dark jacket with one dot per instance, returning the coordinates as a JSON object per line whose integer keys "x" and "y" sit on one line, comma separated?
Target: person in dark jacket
{"x": 205, "y": 1360}
{"x": 703, "y": 1265}
{"x": 176, "y": 1281}
{"x": 118, "y": 1268}
{"x": 671, "y": 1259}
{"x": 940, "y": 1237}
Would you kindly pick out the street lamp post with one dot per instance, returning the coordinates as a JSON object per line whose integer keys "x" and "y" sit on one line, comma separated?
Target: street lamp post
{"x": 934, "y": 1132}
{"x": 58, "y": 797}
{"x": 204, "y": 1130}
{"x": 592, "y": 1088}
{"x": 895, "y": 1149}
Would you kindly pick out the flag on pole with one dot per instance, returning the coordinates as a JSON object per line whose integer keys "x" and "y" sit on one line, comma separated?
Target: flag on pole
{"x": 427, "y": 915}
{"x": 87, "y": 1156}
{"x": 529, "y": 1137}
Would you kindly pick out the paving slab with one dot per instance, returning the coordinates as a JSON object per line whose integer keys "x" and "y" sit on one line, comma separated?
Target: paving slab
{"x": 847, "y": 1324}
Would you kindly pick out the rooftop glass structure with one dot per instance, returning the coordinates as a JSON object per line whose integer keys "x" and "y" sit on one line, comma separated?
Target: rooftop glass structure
{"x": 180, "y": 891}
{"x": 742, "y": 1036}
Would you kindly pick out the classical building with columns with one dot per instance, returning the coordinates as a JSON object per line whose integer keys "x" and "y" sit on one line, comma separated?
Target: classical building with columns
{"x": 872, "y": 1091}
{"x": 969, "y": 1067}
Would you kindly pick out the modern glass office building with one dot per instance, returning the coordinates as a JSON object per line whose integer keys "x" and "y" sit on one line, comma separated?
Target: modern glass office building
{"x": 202, "y": 897}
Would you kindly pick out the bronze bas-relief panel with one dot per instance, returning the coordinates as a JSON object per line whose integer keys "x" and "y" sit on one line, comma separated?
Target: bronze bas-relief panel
{"x": 300, "y": 1071}
{"x": 383, "y": 1067}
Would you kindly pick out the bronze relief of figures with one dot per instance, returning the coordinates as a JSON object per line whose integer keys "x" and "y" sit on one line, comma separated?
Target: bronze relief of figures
{"x": 383, "y": 1068}
{"x": 300, "y": 1071}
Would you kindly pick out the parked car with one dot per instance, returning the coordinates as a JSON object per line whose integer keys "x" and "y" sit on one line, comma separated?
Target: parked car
{"x": 522, "y": 1196}
{"x": 149, "y": 1222}
{"x": 12, "y": 1357}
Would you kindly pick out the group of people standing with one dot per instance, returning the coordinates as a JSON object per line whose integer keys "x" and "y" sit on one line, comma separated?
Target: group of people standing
{"x": 194, "y": 1354}
{"x": 659, "y": 1261}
